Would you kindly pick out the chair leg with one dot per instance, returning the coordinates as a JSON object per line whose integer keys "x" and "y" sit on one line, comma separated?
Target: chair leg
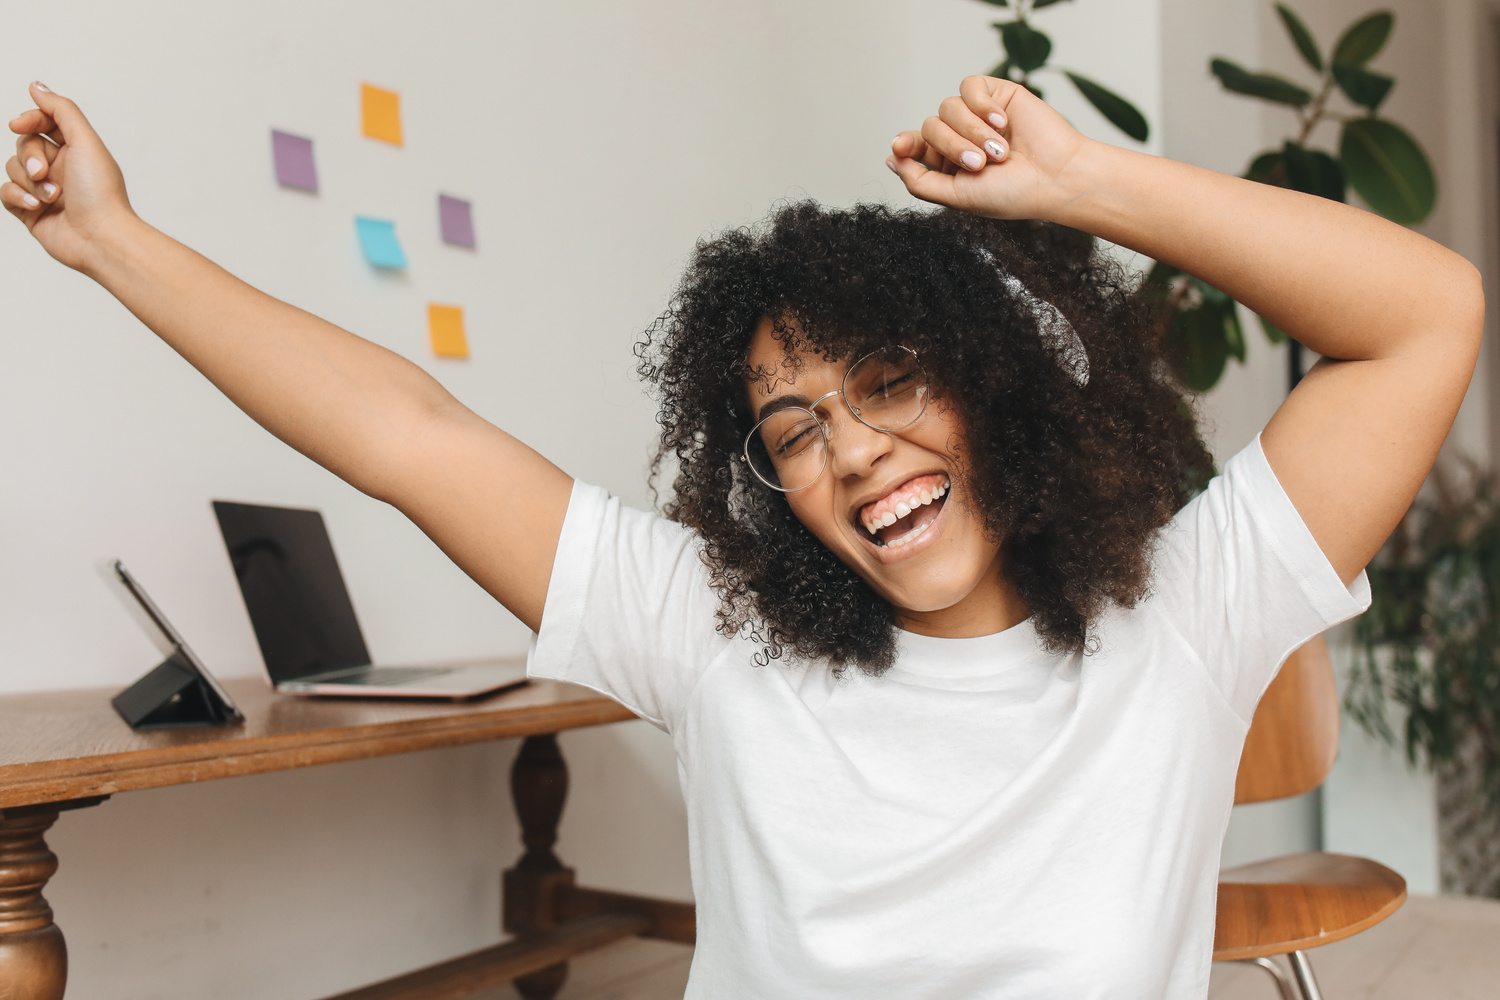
{"x": 1306, "y": 981}
{"x": 1283, "y": 984}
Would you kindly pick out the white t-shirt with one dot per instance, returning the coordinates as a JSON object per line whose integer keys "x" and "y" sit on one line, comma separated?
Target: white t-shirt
{"x": 985, "y": 819}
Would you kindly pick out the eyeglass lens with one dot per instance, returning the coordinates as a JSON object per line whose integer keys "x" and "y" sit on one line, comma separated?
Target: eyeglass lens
{"x": 886, "y": 390}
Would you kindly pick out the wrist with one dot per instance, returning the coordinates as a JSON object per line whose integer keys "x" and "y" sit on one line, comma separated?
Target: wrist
{"x": 117, "y": 243}
{"x": 1083, "y": 189}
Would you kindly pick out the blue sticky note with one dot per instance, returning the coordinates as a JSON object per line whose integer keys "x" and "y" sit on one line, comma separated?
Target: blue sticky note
{"x": 378, "y": 239}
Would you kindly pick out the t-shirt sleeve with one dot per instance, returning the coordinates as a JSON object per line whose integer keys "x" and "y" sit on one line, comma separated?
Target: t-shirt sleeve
{"x": 1241, "y": 578}
{"x": 629, "y": 611}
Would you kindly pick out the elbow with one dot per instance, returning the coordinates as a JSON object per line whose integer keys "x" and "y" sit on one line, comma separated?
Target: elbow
{"x": 1466, "y": 302}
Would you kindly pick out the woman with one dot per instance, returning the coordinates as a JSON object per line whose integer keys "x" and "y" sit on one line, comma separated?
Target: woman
{"x": 931, "y": 448}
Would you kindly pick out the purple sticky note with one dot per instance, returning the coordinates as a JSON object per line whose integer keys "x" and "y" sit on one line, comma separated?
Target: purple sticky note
{"x": 456, "y": 221}
{"x": 294, "y": 161}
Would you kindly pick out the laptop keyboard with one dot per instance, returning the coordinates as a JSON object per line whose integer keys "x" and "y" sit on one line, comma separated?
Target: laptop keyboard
{"x": 391, "y": 676}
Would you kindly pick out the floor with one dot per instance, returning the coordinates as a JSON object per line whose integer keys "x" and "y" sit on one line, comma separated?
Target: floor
{"x": 1431, "y": 947}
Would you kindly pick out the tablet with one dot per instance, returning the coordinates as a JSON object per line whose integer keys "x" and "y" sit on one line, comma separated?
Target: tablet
{"x": 164, "y": 636}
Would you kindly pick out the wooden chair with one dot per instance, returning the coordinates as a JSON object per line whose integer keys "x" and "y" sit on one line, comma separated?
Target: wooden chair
{"x": 1285, "y": 905}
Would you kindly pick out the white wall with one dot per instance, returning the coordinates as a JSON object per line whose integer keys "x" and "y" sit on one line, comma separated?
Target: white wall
{"x": 597, "y": 141}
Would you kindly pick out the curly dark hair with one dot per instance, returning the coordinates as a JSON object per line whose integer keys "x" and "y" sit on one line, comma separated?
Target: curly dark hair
{"x": 1074, "y": 480}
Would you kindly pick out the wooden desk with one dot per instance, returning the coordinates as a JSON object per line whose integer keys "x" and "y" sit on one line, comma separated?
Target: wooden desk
{"x": 69, "y": 750}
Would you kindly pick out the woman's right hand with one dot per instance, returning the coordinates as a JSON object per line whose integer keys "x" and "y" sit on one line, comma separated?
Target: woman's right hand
{"x": 993, "y": 149}
{"x": 63, "y": 183}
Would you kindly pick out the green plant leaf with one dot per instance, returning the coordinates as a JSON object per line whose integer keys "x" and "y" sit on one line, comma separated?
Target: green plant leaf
{"x": 1268, "y": 168}
{"x": 1234, "y": 333}
{"x": 1388, "y": 169}
{"x": 1301, "y": 37}
{"x": 1002, "y": 69}
{"x": 1158, "y": 283}
{"x": 1364, "y": 39}
{"x": 1211, "y": 295}
{"x": 1120, "y": 112}
{"x": 1308, "y": 170}
{"x": 1266, "y": 86}
{"x": 1044, "y": 3}
{"x": 1274, "y": 333}
{"x": 1312, "y": 171}
{"x": 1026, "y": 47}
{"x": 1363, "y": 87}
{"x": 1197, "y": 349}
{"x": 996, "y": 3}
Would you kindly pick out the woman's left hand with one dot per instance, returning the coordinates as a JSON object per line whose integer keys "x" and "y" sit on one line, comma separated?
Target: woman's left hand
{"x": 996, "y": 149}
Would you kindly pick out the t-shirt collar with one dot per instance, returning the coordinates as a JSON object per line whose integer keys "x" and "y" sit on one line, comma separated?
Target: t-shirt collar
{"x": 933, "y": 656}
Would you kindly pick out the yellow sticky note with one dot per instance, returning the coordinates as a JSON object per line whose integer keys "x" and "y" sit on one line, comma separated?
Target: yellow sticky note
{"x": 445, "y": 325}
{"x": 380, "y": 113}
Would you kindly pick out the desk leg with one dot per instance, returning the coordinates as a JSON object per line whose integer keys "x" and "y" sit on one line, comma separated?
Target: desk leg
{"x": 539, "y": 786}
{"x": 33, "y": 957}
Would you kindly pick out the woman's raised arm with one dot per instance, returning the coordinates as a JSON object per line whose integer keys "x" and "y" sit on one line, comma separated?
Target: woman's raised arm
{"x": 368, "y": 415}
{"x": 1398, "y": 317}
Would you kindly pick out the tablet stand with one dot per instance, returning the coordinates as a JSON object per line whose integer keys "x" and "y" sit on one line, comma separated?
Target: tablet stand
{"x": 172, "y": 696}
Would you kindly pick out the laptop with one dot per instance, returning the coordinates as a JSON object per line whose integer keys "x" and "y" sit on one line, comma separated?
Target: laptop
{"x": 304, "y": 621}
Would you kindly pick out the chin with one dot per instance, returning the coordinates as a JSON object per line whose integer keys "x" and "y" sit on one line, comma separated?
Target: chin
{"x": 941, "y": 577}
{"x": 938, "y": 592}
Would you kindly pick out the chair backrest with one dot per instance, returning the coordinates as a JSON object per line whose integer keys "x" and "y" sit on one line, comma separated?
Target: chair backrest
{"x": 1294, "y": 736}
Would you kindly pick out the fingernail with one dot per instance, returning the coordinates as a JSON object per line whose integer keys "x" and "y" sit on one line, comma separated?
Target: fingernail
{"x": 972, "y": 160}
{"x": 891, "y": 163}
{"x": 39, "y": 85}
{"x": 997, "y": 119}
{"x": 29, "y": 201}
{"x": 49, "y": 189}
{"x": 34, "y": 166}
{"x": 995, "y": 149}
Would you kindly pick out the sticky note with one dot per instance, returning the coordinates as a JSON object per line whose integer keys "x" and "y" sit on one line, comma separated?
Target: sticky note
{"x": 445, "y": 326}
{"x": 456, "y": 221}
{"x": 294, "y": 161}
{"x": 378, "y": 240}
{"x": 380, "y": 113}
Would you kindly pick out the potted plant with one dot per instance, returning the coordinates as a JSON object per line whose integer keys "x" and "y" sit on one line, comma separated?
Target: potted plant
{"x": 1376, "y": 157}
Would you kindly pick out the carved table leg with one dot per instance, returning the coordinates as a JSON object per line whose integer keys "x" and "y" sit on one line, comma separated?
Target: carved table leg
{"x": 33, "y": 957}
{"x": 539, "y": 786}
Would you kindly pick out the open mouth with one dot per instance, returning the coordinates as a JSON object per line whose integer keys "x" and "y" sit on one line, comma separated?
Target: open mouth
{"x": 904, "y": 514}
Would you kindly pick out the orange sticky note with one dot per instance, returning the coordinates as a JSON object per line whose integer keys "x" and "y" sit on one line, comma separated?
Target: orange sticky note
{"x": 380, "y": 113}
{"x": 445, "y": 325}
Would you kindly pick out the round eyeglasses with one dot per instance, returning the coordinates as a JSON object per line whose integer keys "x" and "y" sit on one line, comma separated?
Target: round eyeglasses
{"x": 885, "y": 390}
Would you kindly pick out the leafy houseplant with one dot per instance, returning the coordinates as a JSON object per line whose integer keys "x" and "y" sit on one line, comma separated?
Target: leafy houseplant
{"x": 1379, "y": 159}
{"x": 1430, "y": 643}
{"x": 1027, "y": 51}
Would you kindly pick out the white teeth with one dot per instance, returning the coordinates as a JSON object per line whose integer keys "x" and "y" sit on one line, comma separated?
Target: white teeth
{"x": 909, "y": 537}
{"x": 902, "y": 509}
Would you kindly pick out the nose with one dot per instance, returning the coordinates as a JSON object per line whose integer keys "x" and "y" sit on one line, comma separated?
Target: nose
{"x": 854, "y": 448}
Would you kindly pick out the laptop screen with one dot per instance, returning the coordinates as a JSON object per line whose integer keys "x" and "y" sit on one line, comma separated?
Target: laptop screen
{"x": 293, "y": 590}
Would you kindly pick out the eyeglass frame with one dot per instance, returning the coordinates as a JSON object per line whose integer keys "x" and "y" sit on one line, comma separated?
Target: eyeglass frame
{"x": 853, "y": 411}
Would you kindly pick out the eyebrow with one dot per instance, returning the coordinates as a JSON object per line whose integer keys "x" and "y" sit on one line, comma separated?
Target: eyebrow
{"x": 782, "y": 403}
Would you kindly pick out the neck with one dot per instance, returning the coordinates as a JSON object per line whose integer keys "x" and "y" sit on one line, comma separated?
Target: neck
{"x": 992, "y": 606}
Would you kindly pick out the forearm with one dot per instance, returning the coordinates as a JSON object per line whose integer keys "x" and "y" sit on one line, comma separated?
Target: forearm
{"x": 1345, "y": 282}
{"x": 346, "y": 403}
